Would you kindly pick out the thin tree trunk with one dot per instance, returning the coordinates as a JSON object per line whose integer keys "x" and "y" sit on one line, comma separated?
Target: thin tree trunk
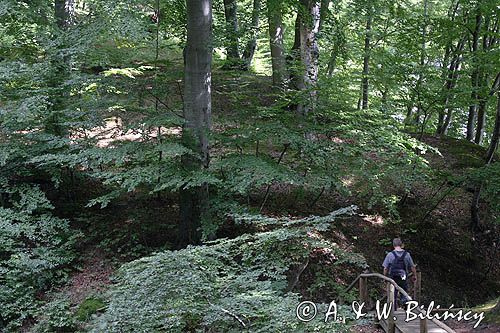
{"x": 445, "y": 67}
{"x": 445, "y": 113}
{"x": 495, "y": 137}
{"x": 274, "y": 14}
{"x": 484, "y": 77}
{"x": 231, "y": 14}
{"x": 332, "y": 63}
{"x": 197, "y": 113}
{"x": 481, "y": 121}
{"x": 366, "y": 61}
{"x": 422, "y": 59}
{"x": 451, "y": 81}
{"x": 472, "y": 116}
{"x": 252, "y": 42}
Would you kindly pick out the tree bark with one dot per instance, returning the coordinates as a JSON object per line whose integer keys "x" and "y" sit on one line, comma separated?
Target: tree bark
{"x": 366, "y": 61}
{"x": 306, "y": 50}
{"x": 249, "y": 51}
{"x": 276, "y": 27}
{"x": 197, "y": 113}
{"x": 232, "y": 44}
{"x": 472, "y": 116}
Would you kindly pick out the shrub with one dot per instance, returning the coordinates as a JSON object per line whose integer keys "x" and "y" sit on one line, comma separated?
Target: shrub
{"x": 223, "y": 285}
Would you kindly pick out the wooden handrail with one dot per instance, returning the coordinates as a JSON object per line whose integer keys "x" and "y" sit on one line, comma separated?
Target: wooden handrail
{"x": 402, "y": 291}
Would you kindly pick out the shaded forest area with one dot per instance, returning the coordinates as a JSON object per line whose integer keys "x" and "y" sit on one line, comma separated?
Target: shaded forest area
{"x": 206, "y": 165}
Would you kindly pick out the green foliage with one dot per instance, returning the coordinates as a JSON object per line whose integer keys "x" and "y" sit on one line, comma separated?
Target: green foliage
{"x": 205, "y": 287}
{"x": 56, "y": 316}
{"x": 35, "y": 248}
{"x": 88, "y": 307}
{"x": 488, "y": 178}
{"x": 61, "y": 92}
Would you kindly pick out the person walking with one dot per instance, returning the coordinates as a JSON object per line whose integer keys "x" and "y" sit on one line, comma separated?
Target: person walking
{"x": 397, "y": 264}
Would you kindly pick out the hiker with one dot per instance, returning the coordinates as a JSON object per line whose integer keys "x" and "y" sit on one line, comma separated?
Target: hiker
{"x": 397, "y": 264}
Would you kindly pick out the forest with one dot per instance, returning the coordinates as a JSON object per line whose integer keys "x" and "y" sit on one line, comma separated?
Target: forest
{"x": 210, "y": 165}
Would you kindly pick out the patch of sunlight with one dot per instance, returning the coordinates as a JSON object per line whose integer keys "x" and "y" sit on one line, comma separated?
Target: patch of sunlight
{"x": 116, "y": 108}
{"x": 373, "y": 219}
{"x": 128, "y": 72}
{"x": 261, "y": 64}
{"x": 113, "y": 130}
{"x": 219, "y": 53}
{"x": 89, "y": 88}
{"x": 347, "y": 181}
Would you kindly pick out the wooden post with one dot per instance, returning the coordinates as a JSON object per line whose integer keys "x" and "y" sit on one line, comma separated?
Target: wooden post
{"x": 417, "y": 288}
{"x": 423, "y": 325}
{"x": 363, "y": 290}
{"x": 391, "y": 326}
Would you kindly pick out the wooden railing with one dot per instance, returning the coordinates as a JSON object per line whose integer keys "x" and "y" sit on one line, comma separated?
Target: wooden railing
{"x": 362, "y": 279}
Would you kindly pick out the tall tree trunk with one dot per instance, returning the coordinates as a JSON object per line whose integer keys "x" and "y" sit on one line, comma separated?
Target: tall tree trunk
{"x": 472, "y": 116}
{"x": 249, "y": 51}
{"x": 450, "y": 83}
{"x": 488, "y": 43}
{"x": 275, "y": 18}
{"x": 366, "y": 61}
{"x": 495, "y": 137}
{"x": 445, "y": 69}
{"x": 231, "y": 14}
{"x": 447, "y": 66}
{"x": 197, "y": 113}
{"x": 307, "y": 51}
{"x": 422, "y": 62}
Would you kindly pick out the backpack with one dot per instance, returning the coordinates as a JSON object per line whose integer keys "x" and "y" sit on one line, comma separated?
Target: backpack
{"x": 398, "y": 266}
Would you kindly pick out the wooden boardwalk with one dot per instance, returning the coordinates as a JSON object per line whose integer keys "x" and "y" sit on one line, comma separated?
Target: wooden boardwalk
{"x": 410, "y": 327}
{"x": 396, "y": 322}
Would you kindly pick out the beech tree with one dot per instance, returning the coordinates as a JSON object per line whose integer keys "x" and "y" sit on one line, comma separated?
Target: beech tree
{"x": 276, "y": 35}
{"x": 306, "y": 51}
{"x": 197, "y": 114}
